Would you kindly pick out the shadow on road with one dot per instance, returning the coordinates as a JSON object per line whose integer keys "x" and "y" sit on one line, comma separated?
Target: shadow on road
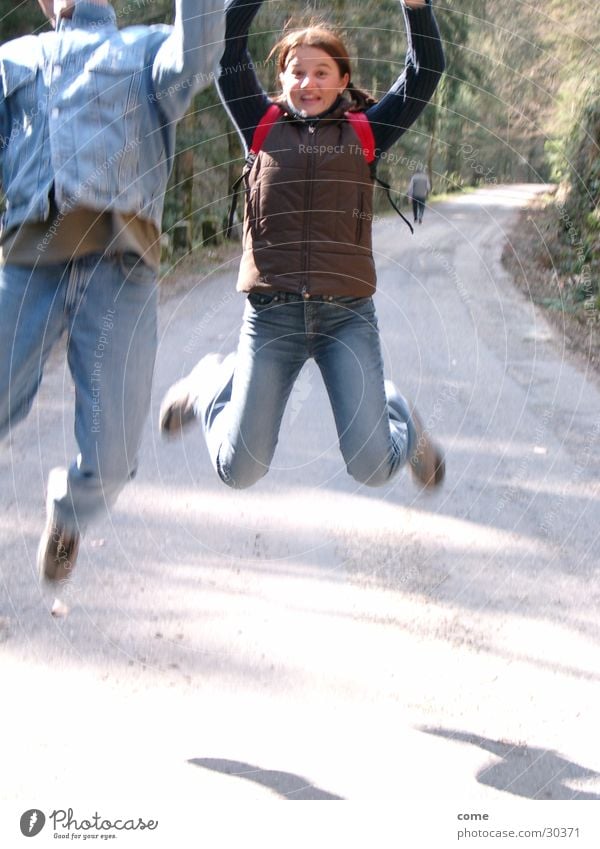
{"x": 285, "y": 784}
{"x": 523, "y": 770}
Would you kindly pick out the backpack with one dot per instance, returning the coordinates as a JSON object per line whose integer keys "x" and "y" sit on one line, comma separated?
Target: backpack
{"x": 361, "y": 126}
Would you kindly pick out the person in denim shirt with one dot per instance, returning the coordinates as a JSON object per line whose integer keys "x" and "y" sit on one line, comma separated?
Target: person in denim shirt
{"x": 87, "y": 135}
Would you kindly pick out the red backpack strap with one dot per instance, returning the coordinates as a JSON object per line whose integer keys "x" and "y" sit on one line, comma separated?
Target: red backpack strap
{"x": 362, "y": 128}
{"x": 271, "y": 116}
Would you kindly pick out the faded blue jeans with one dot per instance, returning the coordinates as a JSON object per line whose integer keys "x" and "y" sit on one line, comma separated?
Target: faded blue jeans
{"x": 279, "y": 333}
{"x": 107, "y": 307}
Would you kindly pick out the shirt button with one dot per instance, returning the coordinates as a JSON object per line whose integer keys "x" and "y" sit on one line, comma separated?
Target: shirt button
{"x": 55, "y": 112}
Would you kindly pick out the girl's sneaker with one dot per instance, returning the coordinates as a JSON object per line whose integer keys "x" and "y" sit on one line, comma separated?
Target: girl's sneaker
{"x": 427, "y": 462}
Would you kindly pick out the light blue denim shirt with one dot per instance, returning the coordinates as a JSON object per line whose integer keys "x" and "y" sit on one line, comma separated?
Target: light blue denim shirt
{"x": 90, "y": 110}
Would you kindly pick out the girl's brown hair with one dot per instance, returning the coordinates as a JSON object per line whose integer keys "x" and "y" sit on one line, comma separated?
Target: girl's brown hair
{"x": 322, "y": 37}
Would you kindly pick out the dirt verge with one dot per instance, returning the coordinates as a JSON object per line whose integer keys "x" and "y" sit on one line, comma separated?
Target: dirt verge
{"x": 537, "y": 256}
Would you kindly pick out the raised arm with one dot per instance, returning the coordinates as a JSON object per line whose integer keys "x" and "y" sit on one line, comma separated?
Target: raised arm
{"x": 3, "y": 120}
{"x": 3, "y": 131}
{"x": 243, "y": 96}
{"x": 186, "y": 61}
{"x": 413, "y": 89}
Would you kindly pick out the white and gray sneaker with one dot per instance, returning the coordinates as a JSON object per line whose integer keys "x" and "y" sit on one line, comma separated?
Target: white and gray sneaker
{"x": 427, "y": 462}
{"x": 178, "y": 407}
{"x": 57, "y": 553}
{"x": 59, "y": 546}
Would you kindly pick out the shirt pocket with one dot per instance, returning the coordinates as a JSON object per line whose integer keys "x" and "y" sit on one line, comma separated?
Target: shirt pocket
{"x": 19, "y": 83}
{"x": 116, "y": 84}
{"x": 113, "y": 137}
{"x": 19, "y": 141}
{"x": 15, "y": 77}
{"x": 19, "y": 66}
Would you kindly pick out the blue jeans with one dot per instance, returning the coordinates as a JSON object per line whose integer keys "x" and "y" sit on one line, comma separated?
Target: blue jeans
{"x": 107, "y": 306}
{"x": 280, "y": 332}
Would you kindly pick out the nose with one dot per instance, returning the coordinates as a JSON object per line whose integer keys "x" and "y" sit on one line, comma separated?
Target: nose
{"x": 306, "y": 81}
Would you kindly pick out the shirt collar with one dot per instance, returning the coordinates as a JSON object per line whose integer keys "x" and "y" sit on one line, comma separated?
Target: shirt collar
{"x": 86, "y": 15}
{"x": 333, "y": 111}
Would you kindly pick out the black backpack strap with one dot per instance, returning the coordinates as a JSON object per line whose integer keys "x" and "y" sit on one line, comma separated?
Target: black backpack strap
{"x": 233, "y": 206}
{"x": 387, "y": 188}
{"x": 362, "y": 127}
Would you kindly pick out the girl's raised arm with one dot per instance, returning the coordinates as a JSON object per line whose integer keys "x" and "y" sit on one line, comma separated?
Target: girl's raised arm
{"x": 241, "y": 92}
{"x": 403, "y": 103}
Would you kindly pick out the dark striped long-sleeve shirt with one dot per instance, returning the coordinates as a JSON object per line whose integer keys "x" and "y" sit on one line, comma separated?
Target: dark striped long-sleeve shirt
{"x": 246, "y": 101}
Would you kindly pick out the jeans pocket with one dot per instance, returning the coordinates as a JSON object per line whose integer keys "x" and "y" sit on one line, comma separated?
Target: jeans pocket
{"x": 134, "y": 269}
{"x": 362, "y": 305}
{"x": 257, "y": 299}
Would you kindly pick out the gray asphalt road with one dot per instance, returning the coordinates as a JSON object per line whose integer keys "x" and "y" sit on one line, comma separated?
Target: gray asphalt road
{"x": 310, "y": 638}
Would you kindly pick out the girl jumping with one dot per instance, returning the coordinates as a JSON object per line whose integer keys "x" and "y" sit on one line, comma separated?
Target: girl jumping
{"x": 307, "y": 266}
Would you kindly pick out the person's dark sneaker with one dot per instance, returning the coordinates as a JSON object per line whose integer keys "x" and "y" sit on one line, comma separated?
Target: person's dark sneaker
{"x": 178, "y": 407}
{"x": 57, "y": 553}
{"x": 427, "y": 462}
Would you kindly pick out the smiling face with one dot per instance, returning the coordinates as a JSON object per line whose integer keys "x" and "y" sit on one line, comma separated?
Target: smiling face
{"x": 312, "y": 81}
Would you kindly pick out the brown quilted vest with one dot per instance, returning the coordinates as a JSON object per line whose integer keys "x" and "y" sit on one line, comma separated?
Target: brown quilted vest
{"x": 308, "y": 212}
